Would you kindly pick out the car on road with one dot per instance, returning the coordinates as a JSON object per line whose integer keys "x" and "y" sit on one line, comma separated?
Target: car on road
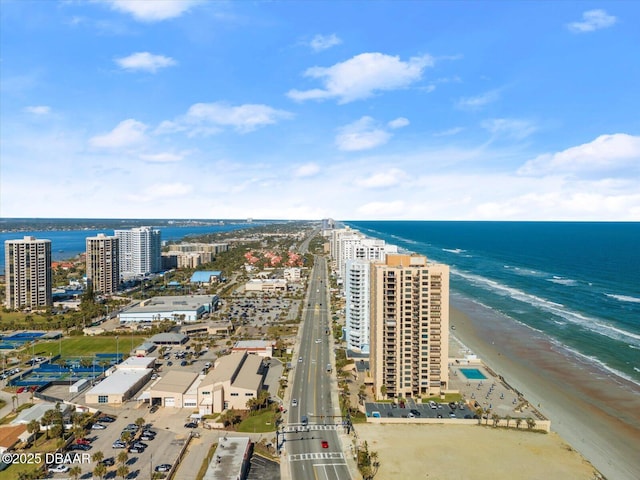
{"x": 108, "y": 462}
{"x": 165, "y": 467}
{"x": 318, "y": 340}
{"x": 191, "y": 425}
{"x": 300, "y": 359}
{"x": 59, "y": 468}
{"x": 98, "y": 426}
{"x": 325, "y": 444}
{"x": 294, "y": 403}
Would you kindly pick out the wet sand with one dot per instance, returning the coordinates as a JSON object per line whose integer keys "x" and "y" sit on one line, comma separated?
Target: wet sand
{"x": 597, "y": 413}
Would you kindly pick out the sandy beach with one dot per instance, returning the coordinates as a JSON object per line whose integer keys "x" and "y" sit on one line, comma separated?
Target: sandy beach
{"x": 595, "y": 412}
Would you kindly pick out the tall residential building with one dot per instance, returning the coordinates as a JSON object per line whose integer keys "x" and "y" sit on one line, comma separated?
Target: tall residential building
{"x": 409, "y": 327}
{"x": 28, "y": 273}
{"x": 103, "y": 266}
{"x": 347, "y": 244}
{"x": 140, "y": 251}
{"x": 357, "y": 305}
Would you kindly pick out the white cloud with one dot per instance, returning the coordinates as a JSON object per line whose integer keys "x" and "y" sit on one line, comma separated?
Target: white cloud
{"x": 382, "y": 209}
{"x": 449, "y": 132}
{"x": 361, "y": 135}
{"x": 592, "y": 20}
{"x": 38, "y": 109}
{"x": 210, "y": 118}
{"x": 164, "y": 157}
{"x": 509, "y": 127}
{"x": 362, "y": 76}
{"x": 127, "y": 133}
{"x": 145, "y": 61}
{"x": 605, "y": 153}
{"x": 323, "y": 42}
{"x": 391, "y": 177}
{"x": 398, "y": 123}
{"x": 306, "y": 170}
{"x": 153, "y": 10}
{"x": 479, "y": 101}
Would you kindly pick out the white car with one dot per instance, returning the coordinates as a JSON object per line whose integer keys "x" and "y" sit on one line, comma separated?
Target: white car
{"x": 59, "y": 469}
{"x": 98, "y": 426}
{"x": 294, "y": 403}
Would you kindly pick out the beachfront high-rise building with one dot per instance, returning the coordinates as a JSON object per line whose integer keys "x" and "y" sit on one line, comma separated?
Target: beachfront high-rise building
{"x": 409, "y": 327}
{"x": 28, "y": 273}
{"x": 357, "y": 305}
{"x": 346, "y": 244}
{"x": 140, "y": 252}
{"x": 103, "y": 266}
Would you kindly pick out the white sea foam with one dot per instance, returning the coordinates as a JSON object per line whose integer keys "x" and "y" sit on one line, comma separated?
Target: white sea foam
{"x": 588, "y": 323}
{"x": 454, "y": 250}
{"x": 623, "y": 298}
{"x": 562, "y": 281}
{"x": 526, "y": 272}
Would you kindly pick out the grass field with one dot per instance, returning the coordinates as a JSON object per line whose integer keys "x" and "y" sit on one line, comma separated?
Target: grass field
{"x": 87, "y": 346}
{"x": 259, "y": 423}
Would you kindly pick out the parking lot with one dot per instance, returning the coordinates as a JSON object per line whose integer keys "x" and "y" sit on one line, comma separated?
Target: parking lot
{"x": 410, "y": 409}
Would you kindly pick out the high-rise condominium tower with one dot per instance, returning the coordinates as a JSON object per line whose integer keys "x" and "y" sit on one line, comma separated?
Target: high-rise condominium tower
{"x": 140, "y": 251}
{"x": 103, "y": 267}
{"x": 28, "y": 272}
{"x": 409, "y": 327}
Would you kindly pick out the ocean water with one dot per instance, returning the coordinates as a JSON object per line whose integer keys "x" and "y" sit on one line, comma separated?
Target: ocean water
{"x": 66, "y": 244}
{"x": 577, "y": 282}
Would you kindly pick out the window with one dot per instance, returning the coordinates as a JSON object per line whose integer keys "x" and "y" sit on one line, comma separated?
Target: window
{"x": 248, "y": 394}
{"x": 234, "y": 394}
{"x": 103, "y": 398}
{"x": 206, "y": 393}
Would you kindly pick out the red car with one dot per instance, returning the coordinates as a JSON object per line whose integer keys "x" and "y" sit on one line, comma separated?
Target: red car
{"x": 20, "y": 390}
{"x": 325, "y": 444}
{"x": 83, "y": 441}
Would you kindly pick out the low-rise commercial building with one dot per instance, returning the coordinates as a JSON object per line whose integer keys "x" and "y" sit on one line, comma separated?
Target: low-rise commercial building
{"x": 266, "y": 285}
{"x": 122, "y": 383}
{"x": 235, "y": 379}
{"x": 175, "y": 389}
{"x": 262, "y": 348}
{"x": 183, "y": 308}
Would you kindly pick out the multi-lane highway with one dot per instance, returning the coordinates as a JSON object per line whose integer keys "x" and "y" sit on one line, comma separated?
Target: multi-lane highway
{"x": 311, "y": 442}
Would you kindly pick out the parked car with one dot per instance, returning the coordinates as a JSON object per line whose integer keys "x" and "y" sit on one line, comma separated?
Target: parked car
{"x": 106, "y": 418}
{"x": 140, "y": 444}
{"x": 98, "y": 426}
{"x": 415, "y": 412}
{"x": 59, "y": 469}
{"x": 147, "y": 437}
{"x": 108, "y": 462}
{"x": 165, "y": 467}
{"x": 154, "y": 409}
{"x": 80, "y": 447}
{"x": 119, "y": 444}
{"x": 136, "y": 449}
{"x": 20, "y": 390}
{"x": 191, "y": 425}
{"x": 83, "y": 441}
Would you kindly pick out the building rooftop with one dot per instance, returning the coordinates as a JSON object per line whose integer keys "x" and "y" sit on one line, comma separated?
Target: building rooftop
{"x": 169, "y": 338}
{"x": 176, "y": 381}
{"x": 253, "y": 344}
{"x": 204, "y": 276}
{"x": 171, "y": 303}
{"x": 239, "y": 364}
{"x": 138, "y": 362}
{"x": 33, "y": 413}
{"x": 228, "y": 458}
{"x": 120, "y": 381}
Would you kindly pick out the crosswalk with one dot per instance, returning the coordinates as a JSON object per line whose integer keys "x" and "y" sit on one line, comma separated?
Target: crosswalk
{"x": 316, "y": 456}
{"x": 309, "y": 428}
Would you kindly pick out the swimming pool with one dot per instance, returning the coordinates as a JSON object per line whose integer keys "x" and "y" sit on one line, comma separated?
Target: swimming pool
{"x": 473, "y": 374}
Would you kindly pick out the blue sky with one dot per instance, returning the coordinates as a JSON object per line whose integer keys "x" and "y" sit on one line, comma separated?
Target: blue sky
{"x": 311, "y": 109}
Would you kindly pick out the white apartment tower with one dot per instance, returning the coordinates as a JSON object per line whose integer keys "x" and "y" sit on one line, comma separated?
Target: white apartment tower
{"x": 409, "y": 327}
{"x": 357, "y": 308}
{"x": 103, "y": 266}
{"x": 140, "y": 252}
{"x": 28, "y": 273}
{"x": 347, "y": 244}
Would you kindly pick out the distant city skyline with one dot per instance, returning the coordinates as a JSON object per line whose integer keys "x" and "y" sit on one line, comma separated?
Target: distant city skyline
{"x": 398, "y": 110}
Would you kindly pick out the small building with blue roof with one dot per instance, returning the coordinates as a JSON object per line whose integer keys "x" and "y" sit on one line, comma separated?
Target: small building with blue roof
{"x": 206, "y": 277}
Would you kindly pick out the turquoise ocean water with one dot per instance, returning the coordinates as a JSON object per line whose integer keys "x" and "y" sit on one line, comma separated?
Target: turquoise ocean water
{"x": 577, "y": 282}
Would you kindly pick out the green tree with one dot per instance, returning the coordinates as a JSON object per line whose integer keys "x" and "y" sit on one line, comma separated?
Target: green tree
{"x": 531, "y": 423}
{"x": 33, "y": 427}
{"x": 518, "y": 422}
{"x": 100, "y": 470}
{"x": 126, "y": 437}
{"x": 123, "y": 457}
{"x": 139, "y": 422}
{"x": 508, "y": 419}
{"x": 75, "y": 471}
{"x": 98, "y": 456}
{"x": 122, "y": 471}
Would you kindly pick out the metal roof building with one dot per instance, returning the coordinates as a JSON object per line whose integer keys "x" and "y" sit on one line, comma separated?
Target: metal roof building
{"x": 179, "y": 308}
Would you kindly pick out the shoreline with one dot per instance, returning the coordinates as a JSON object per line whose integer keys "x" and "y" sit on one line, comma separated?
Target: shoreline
{"x": 597, "y": 413}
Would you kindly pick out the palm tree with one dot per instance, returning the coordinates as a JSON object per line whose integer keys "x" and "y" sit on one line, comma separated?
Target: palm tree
{"x": 100, "y": 470}
{"x": 518, "y": 422}
{"x": 487, "y": 411}
{"x": 123, "y": 471}
{"x": 531, "y": 423}
{"x": 479, "y": 412}
{"x": 33, "y": 427}
{"x": 508, "y": 419}
{"x": 126, "y": 437}
{"x": 123, "y": 457}
{"x": 98, "y": 456}
{"x": 496, "y": 418}
{"x": 75, "y": 471}
{"x": 139, "y": 422}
